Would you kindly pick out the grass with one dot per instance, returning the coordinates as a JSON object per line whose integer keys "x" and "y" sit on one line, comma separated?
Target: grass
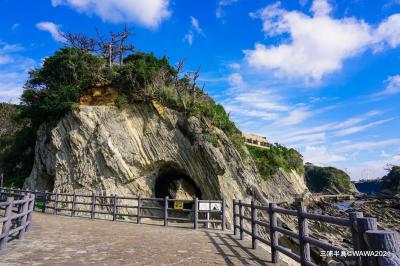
{"x": 274, "y": 157}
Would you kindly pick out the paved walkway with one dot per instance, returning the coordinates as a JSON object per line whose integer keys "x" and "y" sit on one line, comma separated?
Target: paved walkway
{"x": 59, "y": 240}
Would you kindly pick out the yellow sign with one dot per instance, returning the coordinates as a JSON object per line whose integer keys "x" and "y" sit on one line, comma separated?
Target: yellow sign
{"x": 178, "y": 205}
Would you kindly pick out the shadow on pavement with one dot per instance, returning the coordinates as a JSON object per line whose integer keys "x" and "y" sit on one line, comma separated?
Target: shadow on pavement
{"x": 231, "y": 250}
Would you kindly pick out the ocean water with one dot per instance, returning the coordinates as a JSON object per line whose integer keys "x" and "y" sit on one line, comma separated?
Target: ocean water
{"x": 345, "y": 205}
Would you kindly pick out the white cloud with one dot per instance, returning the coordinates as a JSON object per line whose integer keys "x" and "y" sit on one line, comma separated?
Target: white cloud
{"x": 347, "y": 123}
{"x": 13, "y": 72}
{"x": 4, "y": 59}
{"x": 196, "y": 26}
{"x": 321, "y": 156}
{"x": 392, "y": 87}
{"x": 221, "y": 4}
{"x": 356, "y": 129}
{"x": 234, "y": 66}
{"x": 368, "y": 145}
{"x": 149, "y": 13}
{"x": 194, "y": 29}
{"x": 15, "y": 26}
{"x": 254, "y": 99}
{"x": 189, "y": 37}
{"x": 10, "y": 91}
{"x": 305, "y": 138}
{"x": 53, "y": 29}
{"x": 295, "y": 116}
{"x": 318, "y": 44}
{"x": 372, "y": 168}
{"x": 389, "y": 31}
{"x": 321, "y": 8}
{"x": 235, "y": 80}
{"x": 245, "y": 112}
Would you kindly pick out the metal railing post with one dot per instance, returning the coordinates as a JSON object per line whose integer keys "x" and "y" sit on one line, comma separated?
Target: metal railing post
{"x": 23, "y": 219}
{"x": 93, "y": 205}
{"x": 115, "y": 203}
{"x": 7, "y": 225}
{"x": 223, "y": 215}
{"x": 34, "y": 204}
{"x": 73, "y": 204}
{"x": 273, "y": 222}
{"x": 139, "y": 209}
{"x": 253, "y": 225}
{"x": 45, "y": 201}
{"x": 166, "y": 211}
{"x": 383, "y": 241}
{"x": 364, "y": 224}
{"x": 196, "y": 213}
{"x": 303, "y": 232}
{"x": 30, "y": 212}
{"x": 234, "y": 217}
{"x": 55, "y": 204}
{"x": 353, "y": 216}
{"x": 241, "y": 214}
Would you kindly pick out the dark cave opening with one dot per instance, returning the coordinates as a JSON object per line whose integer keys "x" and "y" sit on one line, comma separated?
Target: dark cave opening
{"x": 176, "y": 184}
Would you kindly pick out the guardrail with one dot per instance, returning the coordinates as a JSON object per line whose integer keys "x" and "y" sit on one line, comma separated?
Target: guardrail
{"x": 116, "y": 207}
{"x": 16, "y": 218}
{"x": 365, "y": 236}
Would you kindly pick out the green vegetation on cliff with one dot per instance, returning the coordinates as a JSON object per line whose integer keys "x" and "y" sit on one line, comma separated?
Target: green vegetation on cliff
{"x": 327, "y": 179}
{"x": 275, "y": 156}
{"x": 75, "y": 71}
{"x": 391, "y": 181}
{"x": 65, "y": 77}
{"x": 17, "y": 141}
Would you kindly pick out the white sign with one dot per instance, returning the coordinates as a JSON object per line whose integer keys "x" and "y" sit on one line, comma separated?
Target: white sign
{"x": 204, "y": 206}
{"x": 207, "y": 206}
{"x": 215, "y": 206}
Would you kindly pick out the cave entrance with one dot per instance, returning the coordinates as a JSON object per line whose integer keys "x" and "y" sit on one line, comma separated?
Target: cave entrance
{"x": 176, "y": 184}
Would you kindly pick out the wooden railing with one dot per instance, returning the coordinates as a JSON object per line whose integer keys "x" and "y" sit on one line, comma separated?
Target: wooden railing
{"x": 16, "y": 218}
{"x": 117, "y": 207}
{"x": 365, "y": 236}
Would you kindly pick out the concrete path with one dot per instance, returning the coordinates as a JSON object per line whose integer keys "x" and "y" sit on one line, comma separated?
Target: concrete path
{"x": 59, "y": 240}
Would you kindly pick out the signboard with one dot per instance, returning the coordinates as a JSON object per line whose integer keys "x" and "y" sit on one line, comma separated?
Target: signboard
{"x": 204, "y": 206}
{"x": 178, "y": 205}
{"x": 215, "y": 206}
{"x": 210, "y": 206}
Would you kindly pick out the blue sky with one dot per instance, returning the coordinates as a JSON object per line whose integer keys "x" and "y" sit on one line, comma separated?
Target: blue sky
{"x": 320, "y": 76}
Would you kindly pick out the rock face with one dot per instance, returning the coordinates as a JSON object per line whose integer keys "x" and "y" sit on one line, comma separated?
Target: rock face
{"x": 329, "y": 180}
{"x": 143, "y": 150}
{"x": 390, "y": 185}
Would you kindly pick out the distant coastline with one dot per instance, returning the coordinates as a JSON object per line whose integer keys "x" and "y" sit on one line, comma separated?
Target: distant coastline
{"x": 368, "y": 186}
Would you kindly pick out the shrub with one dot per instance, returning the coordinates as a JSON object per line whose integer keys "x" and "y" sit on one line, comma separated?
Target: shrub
{"x": 326, "y": 179}
{"x": 212, "y": 138}
{"x": 52, "y": 89}
{"x": 391, "y": 181}
{"x": 121, "y": 102}
{"x": 275, "y": 156}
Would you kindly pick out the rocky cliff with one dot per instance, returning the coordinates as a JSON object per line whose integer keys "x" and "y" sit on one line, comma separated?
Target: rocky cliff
{"x": 329, "y": 180}
{"x": 16, "y": 146}
{"x": 390, "y": 185}
{"x": 144, "y": 149}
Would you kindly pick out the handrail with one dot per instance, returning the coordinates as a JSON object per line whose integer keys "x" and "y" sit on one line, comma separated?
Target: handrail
{"x": 364, "y": 233}
{"x": 16, "y": 221}
{"x": 126, "y": 206}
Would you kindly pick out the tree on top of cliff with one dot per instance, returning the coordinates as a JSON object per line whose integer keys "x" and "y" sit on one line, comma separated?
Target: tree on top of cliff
{"x": 327, "y": 179}
{"x": 274, "y": 157}
{"x": 73, "y": 71}
{"x": 391, "y": 181}
{"x": 52, "y": 89}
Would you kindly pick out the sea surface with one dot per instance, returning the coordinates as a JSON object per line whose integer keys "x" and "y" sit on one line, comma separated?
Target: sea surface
{"x": 345, "y": 205}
